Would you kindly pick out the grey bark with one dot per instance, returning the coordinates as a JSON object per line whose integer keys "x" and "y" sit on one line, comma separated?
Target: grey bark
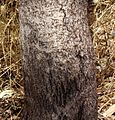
{"x": 58, "y": 60}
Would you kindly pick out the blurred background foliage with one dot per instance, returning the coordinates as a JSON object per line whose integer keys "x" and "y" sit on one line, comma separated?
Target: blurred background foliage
{"x": 102, "y": 23}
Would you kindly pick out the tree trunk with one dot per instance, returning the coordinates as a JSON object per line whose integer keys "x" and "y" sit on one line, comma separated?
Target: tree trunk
{"x": 59, "y": 73}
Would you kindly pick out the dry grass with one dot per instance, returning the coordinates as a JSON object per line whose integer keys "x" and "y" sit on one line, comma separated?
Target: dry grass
{"x": 11, "y": 80}
{"x": 11, "y": 90}
{"x": 104, "y": 42}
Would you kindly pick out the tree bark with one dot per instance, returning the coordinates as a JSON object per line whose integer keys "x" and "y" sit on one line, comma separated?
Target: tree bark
{"x": 58, "y": 60}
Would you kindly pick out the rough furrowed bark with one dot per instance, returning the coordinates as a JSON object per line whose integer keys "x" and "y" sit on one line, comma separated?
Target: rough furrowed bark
{"x": 59, "y": 73}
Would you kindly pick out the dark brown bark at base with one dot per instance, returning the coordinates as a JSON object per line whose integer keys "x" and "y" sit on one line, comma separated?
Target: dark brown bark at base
{"x": 59, "y": 72}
